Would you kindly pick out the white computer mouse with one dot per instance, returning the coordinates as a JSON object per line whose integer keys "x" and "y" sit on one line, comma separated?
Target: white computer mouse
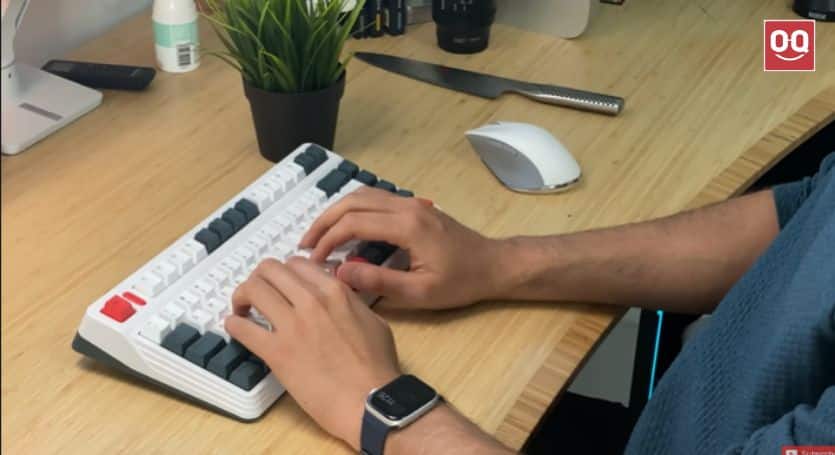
{"x": 525, "y": 157}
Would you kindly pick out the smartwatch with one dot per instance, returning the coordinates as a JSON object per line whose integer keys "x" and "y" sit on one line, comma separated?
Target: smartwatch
{"x": 395, "y": 405}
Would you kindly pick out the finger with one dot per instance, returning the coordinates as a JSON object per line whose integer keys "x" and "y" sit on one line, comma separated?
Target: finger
{"x": 364, "y": 199}
{"x": 378, "y": 280}
{"x": 250, "y": 334}
{"x": 256, "y": 292}
{"x": 370, "y": 226}
{"x": 285, "y": 281}
{"x": 315, "y": 278}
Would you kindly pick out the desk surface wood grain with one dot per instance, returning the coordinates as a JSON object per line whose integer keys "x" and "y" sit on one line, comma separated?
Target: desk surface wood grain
{"x": 94, "y": 201}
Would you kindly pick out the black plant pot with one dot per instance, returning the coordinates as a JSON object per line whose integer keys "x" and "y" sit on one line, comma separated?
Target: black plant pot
{"x": 283, "y": 121}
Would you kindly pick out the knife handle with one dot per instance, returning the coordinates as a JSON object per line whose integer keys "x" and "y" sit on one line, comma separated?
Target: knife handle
{"x": 577, "y": 99}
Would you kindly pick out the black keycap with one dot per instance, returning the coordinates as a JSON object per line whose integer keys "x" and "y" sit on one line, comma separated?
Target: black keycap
{"x": 203, "y": 349}
{"x": 209, "y": 239}
{"x": 236, "y": 218}
{"x": 307, "y": 162}
{"x": 333, "y": 182}
{"x": 247, "y": 375}
{"x": 227, "y": 359}
{"x": 180, "y": 339}
{"x": 376, "y": 252}
{"x": 223, "y": 229}
{"x": 366, "y": 178}
{"x": 317, "y": 153}
{"x": 255, "y": 359}
{"x": 248, "y": 208}
{"x": 405, "y": 193}
{"x": 349, "y": 168}
{"x": 386, "y": 185}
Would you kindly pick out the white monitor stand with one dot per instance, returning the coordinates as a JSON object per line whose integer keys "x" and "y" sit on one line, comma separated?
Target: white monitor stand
{"x": 563, "y": 18}
{"x": 35, "y": 103}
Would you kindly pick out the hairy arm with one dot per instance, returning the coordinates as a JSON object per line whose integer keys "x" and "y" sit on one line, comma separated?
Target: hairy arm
{"x": 684, "y": 263}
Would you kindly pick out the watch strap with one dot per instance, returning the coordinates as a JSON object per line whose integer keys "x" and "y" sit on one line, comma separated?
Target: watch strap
{"x": 373, "y": 435}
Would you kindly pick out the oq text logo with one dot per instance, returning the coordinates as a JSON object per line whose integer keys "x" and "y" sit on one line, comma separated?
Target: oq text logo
{"x": 789, "y": 45}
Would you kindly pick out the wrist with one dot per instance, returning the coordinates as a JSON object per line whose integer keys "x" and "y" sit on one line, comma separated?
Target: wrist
{"x": 512, "y": 264}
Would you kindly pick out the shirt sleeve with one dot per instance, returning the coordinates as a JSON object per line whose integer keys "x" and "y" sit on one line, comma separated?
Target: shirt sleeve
{"x": 804, "y": 426}
{"x": 790, "y": 196}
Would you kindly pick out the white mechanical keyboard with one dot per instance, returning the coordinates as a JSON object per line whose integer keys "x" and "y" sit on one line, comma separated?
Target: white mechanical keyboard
{"x": 165, "y": 322}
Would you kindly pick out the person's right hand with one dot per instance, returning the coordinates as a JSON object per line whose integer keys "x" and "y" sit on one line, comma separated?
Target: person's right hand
{"x": 451, "y": 265}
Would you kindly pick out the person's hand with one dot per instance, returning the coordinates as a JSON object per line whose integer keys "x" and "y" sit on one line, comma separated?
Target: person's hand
{"x": 327, "y": 348}
{"x": 451, "y": 265}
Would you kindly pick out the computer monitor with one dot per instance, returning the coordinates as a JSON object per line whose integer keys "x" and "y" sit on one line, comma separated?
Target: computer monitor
{"x": 34, "y": 103}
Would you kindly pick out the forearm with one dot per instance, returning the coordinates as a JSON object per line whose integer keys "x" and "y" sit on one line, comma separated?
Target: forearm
{"x": 443, "y": 431}
{"x": 684, "y": 263}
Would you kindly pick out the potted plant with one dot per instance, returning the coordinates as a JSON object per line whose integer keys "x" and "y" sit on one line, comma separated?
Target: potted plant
{"x": 289, "y": 54}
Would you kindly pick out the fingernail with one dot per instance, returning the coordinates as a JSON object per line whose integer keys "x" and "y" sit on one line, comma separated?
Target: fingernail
{"x": 425, "y": 202}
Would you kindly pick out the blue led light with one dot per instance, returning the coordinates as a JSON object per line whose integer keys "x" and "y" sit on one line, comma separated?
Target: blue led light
{"x": 655, "y": 352}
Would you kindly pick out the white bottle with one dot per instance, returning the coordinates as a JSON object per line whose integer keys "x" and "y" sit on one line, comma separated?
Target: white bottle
{"x": 176, "y": 37}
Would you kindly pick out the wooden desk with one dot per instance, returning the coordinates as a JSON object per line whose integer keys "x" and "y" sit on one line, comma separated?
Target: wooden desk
{"x": 93, "y": 202}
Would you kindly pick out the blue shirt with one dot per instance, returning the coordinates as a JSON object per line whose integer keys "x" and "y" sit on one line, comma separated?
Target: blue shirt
{"x": 761, "y": 375}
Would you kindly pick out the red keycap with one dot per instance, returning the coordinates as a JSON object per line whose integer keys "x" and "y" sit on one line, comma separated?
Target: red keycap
{"x": 117, "y": 309}
{"x": 356, "y": 259}
{"x": 133, "y": 298}
{"x": 425, "y": 202}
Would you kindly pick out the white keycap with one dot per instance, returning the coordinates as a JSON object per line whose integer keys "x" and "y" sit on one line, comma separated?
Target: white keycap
{"x": 243, "y": 255}
{"x": 258, "y": 244}
{"x": 203, "y": 288}
{"x": 273, "y": 189}
{"x": 304, "y": 253}
{"x": 188, "y": 300}
{"x": 195, "y": 249}
{"x": 232, "y": 265}
{"x": 281, "y": 222}
{"x": 167, "y": 271}
{"x": 315, "y": 197}
{"x": 226, "y": 293}
{"x": 294, "y": 237}
{"x": 349, "y": 188}
{"x": 150, "y": 284}
{"x": 296, "y": 212}
{"x": 181, "y": 260}
{"x": 200, "y": 320}
{"x": 155, "y": 329}
{"x": 260, "y": 198}
{"x": 271, "y": 232}
{"x": 173, "y": 313}
{"x": 217, "y": 308}
{"x": 220, "y": 329}
{"x": 293, "y": 169}
{"x": 219, "y": 276}
{"x": 282, "y": 184}
{"x": 238, "y": 279}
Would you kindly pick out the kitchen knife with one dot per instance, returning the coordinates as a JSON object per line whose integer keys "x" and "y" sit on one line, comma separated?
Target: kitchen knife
{"x": 487, "y": 86}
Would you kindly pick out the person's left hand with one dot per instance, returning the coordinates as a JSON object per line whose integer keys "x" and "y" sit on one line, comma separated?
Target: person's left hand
{"x": 327, "y": 348}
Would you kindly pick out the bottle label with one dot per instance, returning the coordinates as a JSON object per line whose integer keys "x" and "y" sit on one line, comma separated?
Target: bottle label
{"x": 177, "y": 46}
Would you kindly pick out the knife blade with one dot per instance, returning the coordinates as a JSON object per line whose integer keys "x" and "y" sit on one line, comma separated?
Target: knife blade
{"x": 492, "y": 87}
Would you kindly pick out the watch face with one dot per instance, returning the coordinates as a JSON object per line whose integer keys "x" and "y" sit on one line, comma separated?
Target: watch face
{"x": 402, "y": 397}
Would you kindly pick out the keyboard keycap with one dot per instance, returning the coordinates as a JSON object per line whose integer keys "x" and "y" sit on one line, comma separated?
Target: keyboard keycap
{"x": 405, "y": 193}
{"x": 118, "y": 309}
{"x": 210, "y": 240}
{"x": 200, "y": 319}
{"x": 182, "y": 260}
{"x": 240, "y": 256}
{"x": 366, "y": 178}
{"x": 133, "y": 298}
{"x": 306, "y": 162}
{"x": 155, "y": 329}
{"x": 317, "y": 153}
{"x": 204, "y": 348}
{"x": 149, "y": 284}
{"x": 195, "y": 250}
{"x": 223, "y": 229}
{"x": 216, "y": 308}
{"x": 248, "y": 208}
{"x": 167, "y": 271}
{"x": 386, "y": 185}
{"x": 219, "y": 277}
{"x": 376, "y": 252}
{"x": 188, "y": 300}
{"x": 236, "y": 218}
{"x": 180, "y": 339}
{"x": 173, "y": 313}
{"x": 333, "y": 182}
{"x": 260, "y": 198}
{"x": 247, "y": 375}
{"x": 227, "y": 359}
{"x": 203, "y": 288}
{"x": 349, "y": 168}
